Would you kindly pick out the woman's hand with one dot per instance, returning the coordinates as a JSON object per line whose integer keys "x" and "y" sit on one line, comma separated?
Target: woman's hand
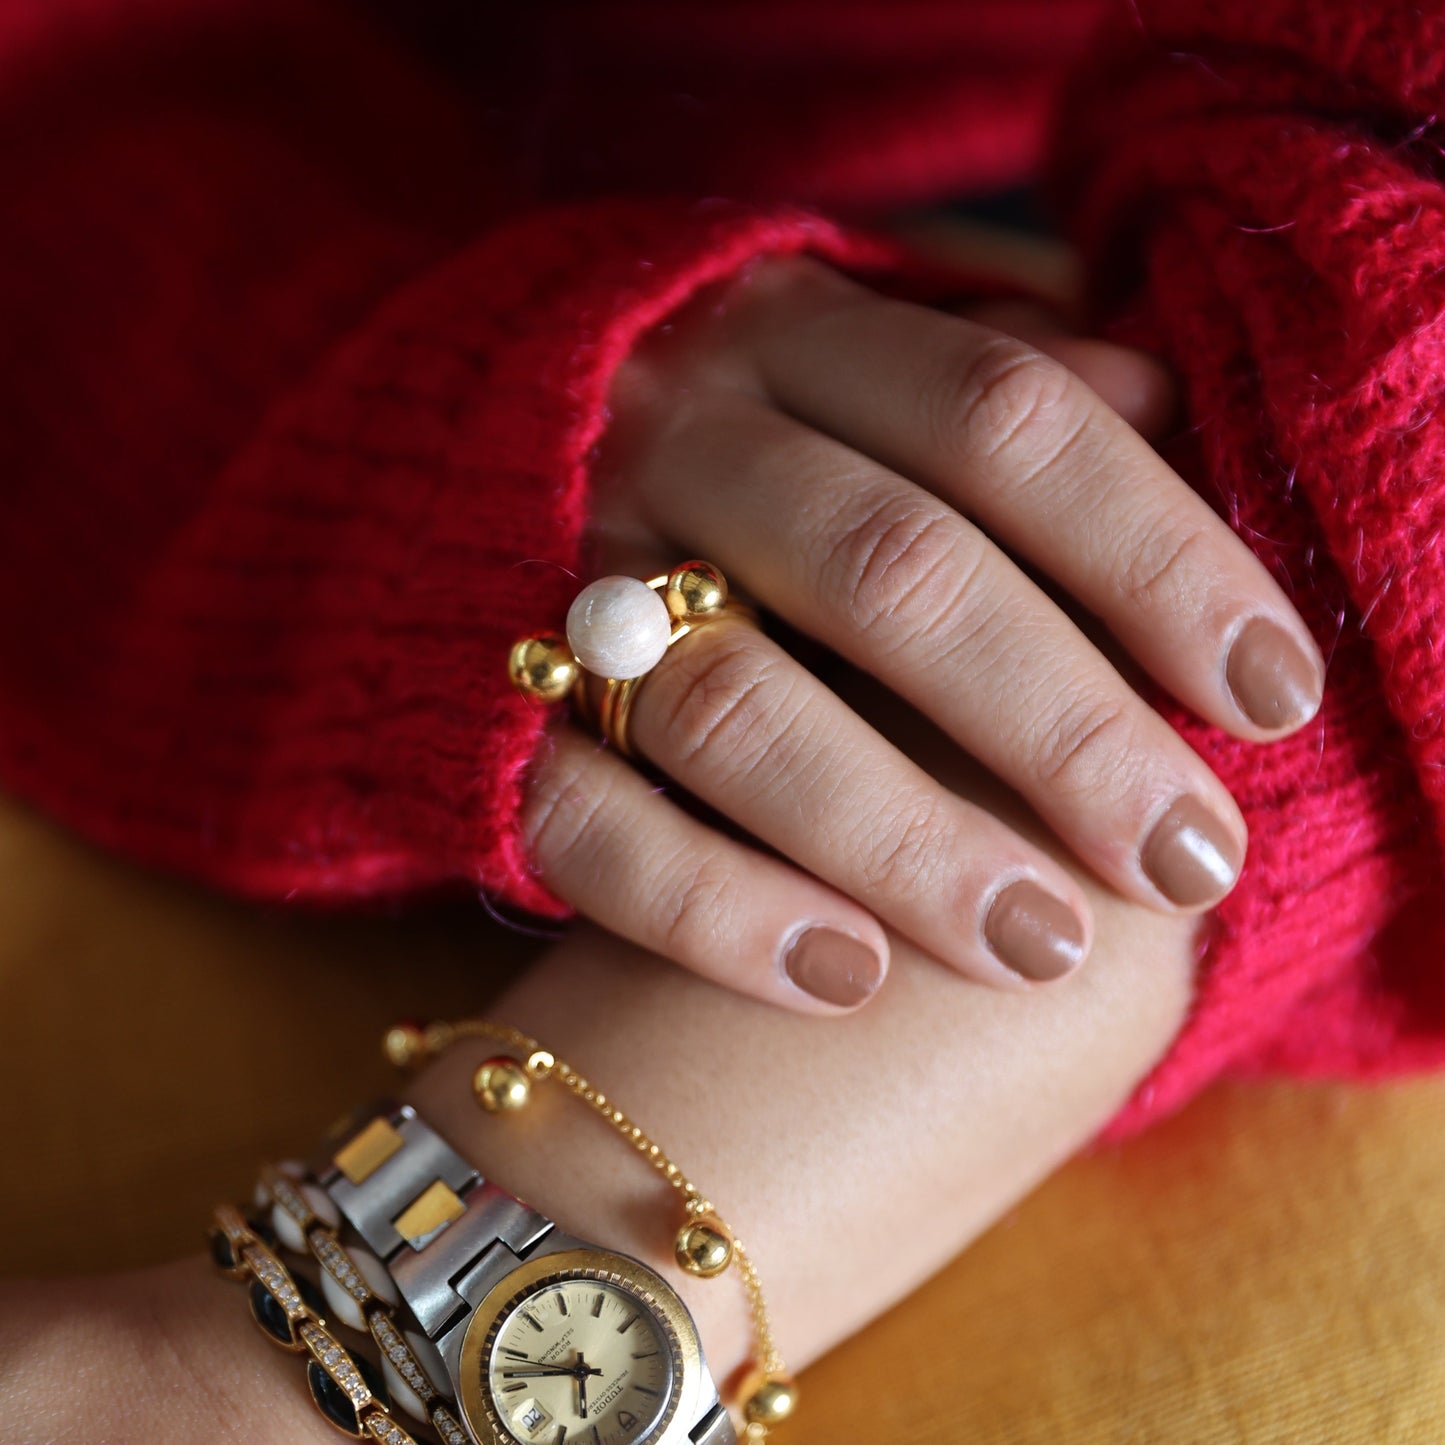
{"x": 858, "y": 466}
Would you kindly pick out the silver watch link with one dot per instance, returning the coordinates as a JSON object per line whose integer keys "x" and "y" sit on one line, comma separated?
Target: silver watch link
{"x": 545, "y": 1338}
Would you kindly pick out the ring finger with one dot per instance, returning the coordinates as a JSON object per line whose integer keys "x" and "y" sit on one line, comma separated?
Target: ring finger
{"x": 631, "y": 860}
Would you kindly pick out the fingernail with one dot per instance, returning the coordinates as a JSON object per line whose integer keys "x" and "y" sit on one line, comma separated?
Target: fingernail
{"x": 1190, "y": 856}
{"x": 834, "y": 966}
{"x": 1035, "y": 933}
{"x": 1274, "y": 680}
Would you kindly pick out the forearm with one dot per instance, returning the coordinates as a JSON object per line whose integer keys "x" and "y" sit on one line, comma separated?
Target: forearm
{"x": 855, "y": 1155}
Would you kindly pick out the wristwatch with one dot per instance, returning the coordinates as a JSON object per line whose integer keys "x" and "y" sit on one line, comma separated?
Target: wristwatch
{"x": 544, "y": 1338}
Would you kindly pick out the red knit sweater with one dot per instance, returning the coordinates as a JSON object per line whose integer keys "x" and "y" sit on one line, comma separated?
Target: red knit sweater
{"x": 308, "y": 312}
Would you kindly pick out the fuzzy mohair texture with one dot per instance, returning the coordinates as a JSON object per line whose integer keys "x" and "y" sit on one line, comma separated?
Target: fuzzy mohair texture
{"x": 308, "y": 313}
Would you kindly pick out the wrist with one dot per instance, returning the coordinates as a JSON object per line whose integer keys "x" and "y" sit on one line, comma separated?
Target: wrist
{"x": 235, "y": 1388}
{"x": 167, "y": 1355}
{"x": 568, "y": 1164}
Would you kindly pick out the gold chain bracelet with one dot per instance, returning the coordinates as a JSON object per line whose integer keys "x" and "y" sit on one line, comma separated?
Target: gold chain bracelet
{"x": 705, "y": 1246}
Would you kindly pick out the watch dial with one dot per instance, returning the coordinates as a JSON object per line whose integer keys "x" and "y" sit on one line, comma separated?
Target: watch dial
{"x": 580, "y": 1362}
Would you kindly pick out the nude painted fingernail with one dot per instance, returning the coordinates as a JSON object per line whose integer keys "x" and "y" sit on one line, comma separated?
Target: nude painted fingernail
{"x": 1274, "y": 680}
{"x": 1191, "y": 857}
{"x": 834, "y": 966}
{"x": 1035, "y": 933}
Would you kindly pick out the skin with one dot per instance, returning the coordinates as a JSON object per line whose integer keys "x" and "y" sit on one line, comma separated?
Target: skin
{"x": 941, "y": 1104}
{"x": 947, "y": 1098}
{"x": 874, "y": 509}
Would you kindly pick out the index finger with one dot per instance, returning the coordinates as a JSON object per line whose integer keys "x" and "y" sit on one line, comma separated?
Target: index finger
{"x": 1024, "y": 447}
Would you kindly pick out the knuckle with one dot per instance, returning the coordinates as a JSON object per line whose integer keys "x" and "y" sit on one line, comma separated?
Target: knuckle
{"x": 994, "y": 396}
{"x": 1159, "y": 568}
{"x": 901, "y": 563}
{"x": 781, "y": 291}
{"x": 902, "y": 859}
{"x": 699, "y": 910}
{"x": 808, "y": 277}
{"x": 720, "y": 701}
{"x": 1083, "y": 746}
{"x": 563, "y": 805}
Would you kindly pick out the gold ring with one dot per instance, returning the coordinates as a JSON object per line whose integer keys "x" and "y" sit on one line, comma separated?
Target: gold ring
{"x": 619, "y": 694}
{"x": 620, "y": 623}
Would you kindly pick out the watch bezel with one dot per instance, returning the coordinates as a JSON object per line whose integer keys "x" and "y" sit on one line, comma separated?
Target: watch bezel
{"x": 474, "y": 1394}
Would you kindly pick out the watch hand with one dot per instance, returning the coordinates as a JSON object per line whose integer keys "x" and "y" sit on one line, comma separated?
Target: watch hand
{"x": 582, "y": 1373}
{"x": 540, "y": 1369}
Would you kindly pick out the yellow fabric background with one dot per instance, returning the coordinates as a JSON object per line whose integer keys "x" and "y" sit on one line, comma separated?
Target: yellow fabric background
{"x": 1266, "y": 1267}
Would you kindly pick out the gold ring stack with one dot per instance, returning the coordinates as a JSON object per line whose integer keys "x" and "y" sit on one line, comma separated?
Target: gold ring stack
{"x": 547, "y": 666}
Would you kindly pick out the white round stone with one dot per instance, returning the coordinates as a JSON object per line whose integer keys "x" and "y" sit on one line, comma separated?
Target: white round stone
{"x": 618, "y": 627}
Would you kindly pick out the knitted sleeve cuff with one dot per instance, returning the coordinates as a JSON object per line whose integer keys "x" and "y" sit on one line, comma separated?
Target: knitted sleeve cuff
{"x": 307, "y": 698}
{"x": 1245, "y": 184}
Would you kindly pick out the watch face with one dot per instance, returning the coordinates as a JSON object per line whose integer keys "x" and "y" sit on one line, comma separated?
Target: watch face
{"x": 581, "y": 1359}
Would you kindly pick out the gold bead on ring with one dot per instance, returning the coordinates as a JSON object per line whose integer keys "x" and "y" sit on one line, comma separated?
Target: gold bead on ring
{"x": 693, "y": 591}
{"x": 612, "y": 624}
{"x": 543, "y": 666}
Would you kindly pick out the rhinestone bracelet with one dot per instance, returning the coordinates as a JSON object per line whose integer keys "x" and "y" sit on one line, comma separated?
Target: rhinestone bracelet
{"x": 345, "y": 1387}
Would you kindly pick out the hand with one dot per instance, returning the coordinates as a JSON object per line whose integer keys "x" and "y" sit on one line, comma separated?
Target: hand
{"x": 857, "y": 466}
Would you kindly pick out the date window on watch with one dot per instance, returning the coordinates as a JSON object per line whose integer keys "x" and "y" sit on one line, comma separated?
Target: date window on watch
{"x": 530, "y": 1418}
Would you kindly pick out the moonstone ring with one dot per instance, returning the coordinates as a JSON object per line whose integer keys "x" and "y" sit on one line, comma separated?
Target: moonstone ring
{"x": 619, "y": 628}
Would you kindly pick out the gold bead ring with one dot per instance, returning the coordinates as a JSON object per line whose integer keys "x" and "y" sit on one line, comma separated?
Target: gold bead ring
{"x": 619, "y": 694}
{"x": 616, "y": 633}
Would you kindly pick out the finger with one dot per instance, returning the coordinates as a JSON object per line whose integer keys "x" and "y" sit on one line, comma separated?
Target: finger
{"x": 898, "y": 583}
{"x": 1139, "y": 387}
{"x": 625, "y": 855}
{"x": 740, "y": 724}
{"x": 1019, "y": 443}
{"x": 1028, "y": 319}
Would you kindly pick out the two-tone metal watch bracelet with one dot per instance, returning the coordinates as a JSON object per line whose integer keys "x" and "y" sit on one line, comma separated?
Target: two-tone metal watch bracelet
{"x": 513, "y": 1330}
{"x": 355, "y": 1290}
{"x": 704, "y": 1245}
{"x": 392, "y": 1215}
